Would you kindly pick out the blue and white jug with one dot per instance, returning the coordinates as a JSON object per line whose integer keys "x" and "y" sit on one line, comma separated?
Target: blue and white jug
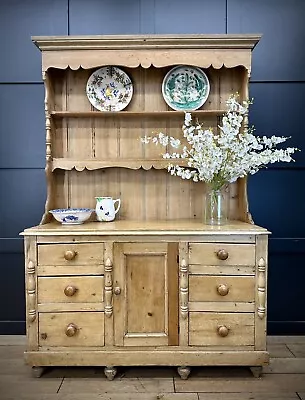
{"x": 105, "y": 210}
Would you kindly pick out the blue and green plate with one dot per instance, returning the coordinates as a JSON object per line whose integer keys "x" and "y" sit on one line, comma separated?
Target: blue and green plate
{"x": 185, "y": 88}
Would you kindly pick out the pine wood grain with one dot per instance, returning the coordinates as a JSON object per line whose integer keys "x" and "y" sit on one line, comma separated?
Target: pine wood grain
{"x": 124, "y": 385}
{"x": 112, "y": 396}
{"x": 297, "y": 349}
{"x": 286, "y": 366}
{"x": 247, "y": 396}
{"x": 279, "y": 350}
{"x": 270, "y": 383}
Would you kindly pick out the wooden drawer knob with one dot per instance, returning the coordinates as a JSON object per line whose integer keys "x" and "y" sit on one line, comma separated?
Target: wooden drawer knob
{"x": 70, "y": 290}
{"x": 222, "y": 254}
{"x": 223, "y": 289}
{"x": 71, "y": 330}
{"x": 69, "y": 255}
{"x": 223, "y": 331}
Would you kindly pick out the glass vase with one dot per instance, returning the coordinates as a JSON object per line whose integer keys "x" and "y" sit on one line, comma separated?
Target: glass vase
{"x": 216, "y": 206}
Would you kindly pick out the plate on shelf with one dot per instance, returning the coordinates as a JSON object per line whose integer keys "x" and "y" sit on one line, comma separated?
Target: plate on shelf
{"x": 109, "y": 89}
{"x": 185, "y": 88}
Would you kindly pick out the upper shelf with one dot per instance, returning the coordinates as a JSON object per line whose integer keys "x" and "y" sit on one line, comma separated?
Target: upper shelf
{"x": 103, "y": 114}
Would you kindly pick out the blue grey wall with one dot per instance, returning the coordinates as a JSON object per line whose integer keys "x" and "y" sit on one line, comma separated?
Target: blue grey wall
{"x": 277, "y": 85}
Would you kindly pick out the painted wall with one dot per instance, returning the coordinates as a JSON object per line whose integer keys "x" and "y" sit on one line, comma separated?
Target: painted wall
{"x": 277, "y": 85}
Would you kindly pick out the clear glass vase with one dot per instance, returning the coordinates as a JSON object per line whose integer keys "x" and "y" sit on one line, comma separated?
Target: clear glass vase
{"x": 216, "y": 205}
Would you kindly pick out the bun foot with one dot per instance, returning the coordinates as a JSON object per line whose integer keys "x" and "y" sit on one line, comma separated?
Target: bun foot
{"x": 110, "y": 373}
{"x": 256, "y": 371}
{"x": 38, "y": 371}
{"x": 184, "y": 372}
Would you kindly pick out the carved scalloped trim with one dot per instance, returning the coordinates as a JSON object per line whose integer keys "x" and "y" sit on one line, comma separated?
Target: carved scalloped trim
{"x": 146, "y": 65}
{"x": 94, "y": 165}
{"x": 82, "y": 168}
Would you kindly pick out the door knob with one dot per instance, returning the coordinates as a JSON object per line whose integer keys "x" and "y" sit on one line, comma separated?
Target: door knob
{"x": 117, "y": 290}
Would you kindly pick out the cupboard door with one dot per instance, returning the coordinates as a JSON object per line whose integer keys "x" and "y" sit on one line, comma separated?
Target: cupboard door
{"x": 146, "y": 294}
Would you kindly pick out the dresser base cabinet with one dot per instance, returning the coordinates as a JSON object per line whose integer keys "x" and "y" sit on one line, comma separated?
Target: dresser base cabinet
{"x": 146, "y": 294}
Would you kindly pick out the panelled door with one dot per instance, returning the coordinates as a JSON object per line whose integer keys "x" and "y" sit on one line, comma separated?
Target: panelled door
{"x": 145, "y": 294}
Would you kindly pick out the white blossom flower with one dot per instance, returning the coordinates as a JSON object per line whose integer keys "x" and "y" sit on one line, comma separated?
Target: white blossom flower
{"x": 145, "y": 139}
{"x": 166, "y": 155}
{"x": 223, "y": 157}
{"x": 188, "y": 119}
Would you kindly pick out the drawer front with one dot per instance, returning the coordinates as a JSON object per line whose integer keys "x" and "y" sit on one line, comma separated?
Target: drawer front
{"x": 221, "y": 329}
{"x": 221, "y": 288}
{"x": 71, "y": 254}
{"x": 221, "y": 254}
{"x": 71, "y": 329}
{"x": 71, "y": 289}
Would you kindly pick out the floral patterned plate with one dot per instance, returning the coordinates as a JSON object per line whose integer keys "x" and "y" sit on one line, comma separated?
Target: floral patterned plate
{"x": 185, "y": 88}
{"x": 109, "y": 89}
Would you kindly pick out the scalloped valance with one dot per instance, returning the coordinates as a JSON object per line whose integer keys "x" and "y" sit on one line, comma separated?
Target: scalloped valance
{"x": 157, "y": 50}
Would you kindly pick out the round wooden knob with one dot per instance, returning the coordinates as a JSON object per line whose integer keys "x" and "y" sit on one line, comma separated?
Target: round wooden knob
{"x": 117, "y": 290}
{"x": 69, "y": 255}
{"x": 222, "y": 254}
{"x": 70, "y": 290}
{"x": 71, "y": 330}
{"x": 223, "y": 331}
{"x": 222, "y": 289}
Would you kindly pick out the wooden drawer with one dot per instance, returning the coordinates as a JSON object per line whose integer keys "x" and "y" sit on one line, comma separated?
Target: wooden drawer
{"x": 221, "y": 329}
{"x": 222, "y": 254}
{"x": 71, "y": 254}
{"x": 221, "y": 288}
{"x": 71, "y": 259}
{"x": 71, "y": 329}
{"x": 71, "y": 289}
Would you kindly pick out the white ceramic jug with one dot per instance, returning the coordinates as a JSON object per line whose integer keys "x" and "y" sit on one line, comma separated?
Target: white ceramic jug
{"x": 105, "y": 210}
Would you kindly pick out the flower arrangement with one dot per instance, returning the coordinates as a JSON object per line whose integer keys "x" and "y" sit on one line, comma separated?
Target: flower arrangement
{"x": 223, "y": 157}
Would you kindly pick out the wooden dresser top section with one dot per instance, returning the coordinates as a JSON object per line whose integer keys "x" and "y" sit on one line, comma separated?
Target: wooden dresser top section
{"x": 146, "y": 50}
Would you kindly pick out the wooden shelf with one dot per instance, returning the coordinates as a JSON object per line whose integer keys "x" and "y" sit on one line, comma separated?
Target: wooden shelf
{"x": 104, "y": 114}
{"x": 91, "y": 164}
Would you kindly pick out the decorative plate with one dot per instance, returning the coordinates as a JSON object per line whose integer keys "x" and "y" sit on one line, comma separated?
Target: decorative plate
{"x": 185, "y": 88}
{"x": 109, "y": 89}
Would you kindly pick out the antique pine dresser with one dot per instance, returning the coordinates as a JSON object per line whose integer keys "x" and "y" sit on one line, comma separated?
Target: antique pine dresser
{"x": 156, "y": 286}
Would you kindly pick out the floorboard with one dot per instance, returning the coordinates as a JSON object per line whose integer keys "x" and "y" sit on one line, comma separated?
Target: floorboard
{"x": 283, "y": 379}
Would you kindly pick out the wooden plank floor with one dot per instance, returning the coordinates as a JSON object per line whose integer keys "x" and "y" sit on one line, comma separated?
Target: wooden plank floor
{"x": 283, "y": 379}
